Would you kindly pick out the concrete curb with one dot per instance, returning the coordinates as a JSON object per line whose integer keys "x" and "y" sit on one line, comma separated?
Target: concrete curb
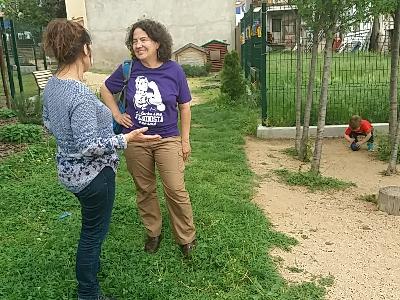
{"x": 330, "y": 131}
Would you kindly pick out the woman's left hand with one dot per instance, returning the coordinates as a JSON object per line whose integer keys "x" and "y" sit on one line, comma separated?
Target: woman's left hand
{"x": 186, "y": 150}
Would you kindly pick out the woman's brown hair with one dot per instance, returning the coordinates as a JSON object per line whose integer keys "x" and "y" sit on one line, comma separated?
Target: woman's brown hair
{"x": 157, "y": 32}
{"x": 65, "y": 40}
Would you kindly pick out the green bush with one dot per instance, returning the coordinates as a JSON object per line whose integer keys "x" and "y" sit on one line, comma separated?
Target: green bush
{"x": 196, "y": 71}
{"x": 21, "y": 133}
{"x": 28, "y": 110}
{"x": 6, "y": 113}
{"x": 232, "y": 80}
{"x": 384, "y": 149}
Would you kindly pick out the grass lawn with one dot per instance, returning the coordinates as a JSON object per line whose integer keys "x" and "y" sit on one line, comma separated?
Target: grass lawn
{"x": 29, "y": 86}
{"x": 359, "y": 85}
{"x": 37, "y": 249}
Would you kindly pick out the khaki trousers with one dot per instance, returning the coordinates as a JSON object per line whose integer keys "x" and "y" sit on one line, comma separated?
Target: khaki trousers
{"x": 166, "y": 154}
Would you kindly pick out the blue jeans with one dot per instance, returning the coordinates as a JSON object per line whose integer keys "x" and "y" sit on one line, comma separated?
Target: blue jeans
{"x": 96, "y": 200}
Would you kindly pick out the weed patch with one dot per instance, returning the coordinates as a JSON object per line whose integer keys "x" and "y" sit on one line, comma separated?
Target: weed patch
{"x": 312, "y": 181}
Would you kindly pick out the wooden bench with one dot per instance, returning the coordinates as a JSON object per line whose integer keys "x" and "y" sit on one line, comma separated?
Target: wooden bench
{"x": 41, "y": 78}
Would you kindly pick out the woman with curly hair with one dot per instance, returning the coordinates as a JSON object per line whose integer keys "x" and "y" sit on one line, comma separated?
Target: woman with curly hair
{"x": 87, "y": 147}
{"x": 157, "y": 92}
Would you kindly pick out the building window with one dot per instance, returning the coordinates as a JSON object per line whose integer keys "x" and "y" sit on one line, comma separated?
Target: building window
{"x": 215, "y": 55}
{"x": 276, "y": 25}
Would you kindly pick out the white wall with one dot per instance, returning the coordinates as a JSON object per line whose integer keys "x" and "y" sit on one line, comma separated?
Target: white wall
{"x": 194, "y": 21}
{"x": 76, "y": 9}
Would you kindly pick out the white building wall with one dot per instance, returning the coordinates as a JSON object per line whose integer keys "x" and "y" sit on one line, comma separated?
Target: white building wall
{"x": 194, "y": 21}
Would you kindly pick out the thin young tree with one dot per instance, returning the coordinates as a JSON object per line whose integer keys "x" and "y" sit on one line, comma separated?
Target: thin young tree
{"x": 310, "y": 96}
{"x": 394, "y": 117}
{"x": 392, "y": 8}
{"x": 392, "y": 167}
{"x": 299, "y": 77}
{"x": 310, "y": 13}
{"x": 394, "y": 76}
{"x": 323, "y": 100}
{"x": 338, "y": 16}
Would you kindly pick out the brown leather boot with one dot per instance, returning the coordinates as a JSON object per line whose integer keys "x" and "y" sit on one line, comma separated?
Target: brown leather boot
{"x": 152, "y": 244}
{"x": 187, "y": 249}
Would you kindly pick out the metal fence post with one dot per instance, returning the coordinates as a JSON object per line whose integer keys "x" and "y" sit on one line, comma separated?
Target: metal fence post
{"x": 35, "y": 57}
{"x": 251, "y": 41}
{"x": 44, "y": 52}
{"x": 263, "y": 71}
{"x": 16, "y": 58}
{"x": 242, "y": 42}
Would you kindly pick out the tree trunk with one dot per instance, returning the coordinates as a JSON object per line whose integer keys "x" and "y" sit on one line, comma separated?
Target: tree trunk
{"x": 389, "y": 200}
{"x": 3, "y": 77}
{"x": 394, "y": 76}
{"x": 309, "y": 101}
{"x": 299, "y": 71}
{"x": 391, "y": 170}
{"x": 323, "y": 102}
{"x": 373, "y": 45}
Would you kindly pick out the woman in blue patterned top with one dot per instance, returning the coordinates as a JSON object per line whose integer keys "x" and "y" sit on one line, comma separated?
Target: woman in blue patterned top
{"x": 87, "y": 148}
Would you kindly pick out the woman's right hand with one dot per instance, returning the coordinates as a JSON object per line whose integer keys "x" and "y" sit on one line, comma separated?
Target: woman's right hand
{"x": 124, "y": 120}
{"x": 138, "y": 136}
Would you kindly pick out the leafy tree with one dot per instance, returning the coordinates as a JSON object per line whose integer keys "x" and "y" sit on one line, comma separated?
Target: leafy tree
{"x": 328, "y": 17}
{"x": 34, "y": 12}
{"x": 308, "y": 10}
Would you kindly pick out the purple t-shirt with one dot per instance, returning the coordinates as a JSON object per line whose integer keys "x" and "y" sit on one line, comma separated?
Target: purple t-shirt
{"x": 152, "y": 96}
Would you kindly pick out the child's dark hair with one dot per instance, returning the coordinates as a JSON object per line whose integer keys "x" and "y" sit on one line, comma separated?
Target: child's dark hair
{"x": 157, "y": 32}
{"x": 64, "y": 40}
{"x": 355, "y": 122}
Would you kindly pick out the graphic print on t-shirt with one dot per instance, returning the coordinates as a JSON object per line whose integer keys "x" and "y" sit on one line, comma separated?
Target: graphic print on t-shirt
{"x": 148, "y": 102}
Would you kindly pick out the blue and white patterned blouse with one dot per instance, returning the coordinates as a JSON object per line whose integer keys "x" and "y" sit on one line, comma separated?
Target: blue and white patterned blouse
{"x": 82, "y": 126}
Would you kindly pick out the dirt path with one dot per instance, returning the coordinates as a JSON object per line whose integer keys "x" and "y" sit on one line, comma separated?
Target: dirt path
{"x": 338, "y": 235}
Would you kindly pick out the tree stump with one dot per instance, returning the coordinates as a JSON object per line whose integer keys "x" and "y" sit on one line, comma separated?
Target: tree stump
{"x": 389, "y": 200}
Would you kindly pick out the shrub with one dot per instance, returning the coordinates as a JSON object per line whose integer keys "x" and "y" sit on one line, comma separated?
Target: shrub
{"x": 196, "y": 71}
{"x": 21, "y": 133}
{"x": 28, "y": 110}
{"x": 384, "y": 149}
{"x": 6, "y": 113}
{"x": 232, "y": 80}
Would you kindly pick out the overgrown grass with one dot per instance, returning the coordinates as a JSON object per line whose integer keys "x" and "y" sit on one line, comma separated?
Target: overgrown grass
{"x": 359, "y": 85}
{"x": 37, "y": 249}
{"x": 312, "y": 181}
{"x": 291, "y": 151}
{"x": 384, "y": 149}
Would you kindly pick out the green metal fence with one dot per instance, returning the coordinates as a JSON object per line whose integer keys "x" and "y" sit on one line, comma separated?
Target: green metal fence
{"x": 22, "y": 53}
{"x": 253, "y": 49}
{"x": 360, "y": 77}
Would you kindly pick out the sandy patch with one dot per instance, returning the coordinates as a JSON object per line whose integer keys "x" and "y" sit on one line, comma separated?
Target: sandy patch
{"x": 338, "y": 235}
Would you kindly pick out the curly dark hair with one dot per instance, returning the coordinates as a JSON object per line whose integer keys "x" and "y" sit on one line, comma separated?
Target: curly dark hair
{"x": 157, "y": 32}
{"x": 64, "y": 40}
